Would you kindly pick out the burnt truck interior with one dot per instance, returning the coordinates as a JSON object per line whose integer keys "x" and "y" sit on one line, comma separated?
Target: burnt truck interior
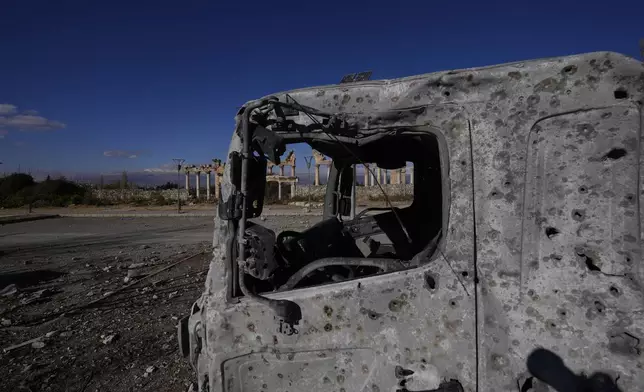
{"x": 339, "y": 247}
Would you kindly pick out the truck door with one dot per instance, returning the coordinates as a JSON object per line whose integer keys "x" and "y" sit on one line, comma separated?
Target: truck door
{"x": 412, "y": 329}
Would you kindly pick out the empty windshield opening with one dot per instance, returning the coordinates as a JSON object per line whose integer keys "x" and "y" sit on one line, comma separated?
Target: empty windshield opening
{"x": 377, "y": 240}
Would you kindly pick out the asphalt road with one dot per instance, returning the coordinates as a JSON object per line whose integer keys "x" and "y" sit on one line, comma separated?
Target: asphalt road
{"x": 104, "y": 232}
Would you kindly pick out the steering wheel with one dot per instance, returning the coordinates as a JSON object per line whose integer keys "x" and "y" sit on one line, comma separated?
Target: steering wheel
{"x": 283, "y": 242}
{"x": 369, "y": 209}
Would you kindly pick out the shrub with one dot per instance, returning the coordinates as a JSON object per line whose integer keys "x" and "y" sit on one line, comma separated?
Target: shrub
{"x": 157, "y": 199}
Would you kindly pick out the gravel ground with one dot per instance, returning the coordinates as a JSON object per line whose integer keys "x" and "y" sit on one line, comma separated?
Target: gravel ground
{"x": 59, "y": 280}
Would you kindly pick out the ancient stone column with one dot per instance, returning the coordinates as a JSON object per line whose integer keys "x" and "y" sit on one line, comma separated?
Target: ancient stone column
{"x": 379, "y": 175}
{"x": 217, "y": 186}
{"x": 317, "y": 175}
{"x": 293, "y": 170}
{"x": 395, "y": 176}
{"x": 198, "y": 182}
{"x": 366, "y": 175}
{"x": 292, "y": 189}
{"x": 279, "y": 190}
{"x": 403, "y": 175}
{"x": 207, "y": 185}
{"x": 187, "y": 182}
{"x": 281, "y": 170}
{"x": 411, "y": 175}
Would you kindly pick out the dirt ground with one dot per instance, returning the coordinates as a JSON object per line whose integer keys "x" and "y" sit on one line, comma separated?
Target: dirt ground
{"x": 63, "y": 281}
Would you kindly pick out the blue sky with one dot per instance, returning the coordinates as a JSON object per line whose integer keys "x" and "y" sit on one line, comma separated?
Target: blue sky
{"x": 105, "y": 86}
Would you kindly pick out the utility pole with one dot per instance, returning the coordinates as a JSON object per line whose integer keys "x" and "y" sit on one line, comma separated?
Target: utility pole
{"x": 353, "y": 193}
{"x": 179, "y": 162}
{"x": 308, "y": 160}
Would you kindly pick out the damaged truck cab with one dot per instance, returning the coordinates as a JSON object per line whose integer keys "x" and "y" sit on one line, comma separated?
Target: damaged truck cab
{"x": 524, "y": 231}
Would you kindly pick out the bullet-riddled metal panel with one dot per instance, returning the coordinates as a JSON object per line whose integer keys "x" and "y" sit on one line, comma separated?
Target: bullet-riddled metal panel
{"x": 515, "y": 316}
{"x": 580, "y": 213}
{"x": 421, "y": 320}
{"x": 575, "y": 287}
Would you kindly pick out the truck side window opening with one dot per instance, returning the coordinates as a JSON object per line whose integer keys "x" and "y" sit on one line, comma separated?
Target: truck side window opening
{"x": 378, "y": 239}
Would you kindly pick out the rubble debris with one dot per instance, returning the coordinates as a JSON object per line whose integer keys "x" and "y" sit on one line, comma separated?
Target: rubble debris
{"x": 109, "y": 338}
{"x": 25, "y": 343}
{"x": 134, "y": 271}
{"x": 173, "y": 294}
{"x": 149, "y": 370}
{"x": 51, "y": 334}
{"x": 37, "y": 296}
{"x": 38, "y": 344}
{"x": 9, "y": 290}
{"x": 78, "y": 351}
{"x": 30, "y": 367}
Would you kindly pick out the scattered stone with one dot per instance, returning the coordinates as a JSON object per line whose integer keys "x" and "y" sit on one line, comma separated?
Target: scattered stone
{"x": 65, "y": 334}
{"x": 76, "y": 258}
{"x": 110, "y": 338}
{"x": 9, "y": 290}
{"x": 149, "y": 370}
{"x": 192, "y": 387}
{"x": 36, "y": 296}
{"x": 262, "y": 218}
{"x": 155, "y": 296}
{"x": 108, "y": 268}
{"x": 134, "y": 272}
{"x": 165, "y": 347}
{"x": 38, "y": 344}
{"x": 89, "y": 294}
{"x": 173, "y": 294}
{"x": 42, "y": 293}
{"x": 51, "y": 334}
{"x": 6, "y": 322}
{"x": 107, "y": 293}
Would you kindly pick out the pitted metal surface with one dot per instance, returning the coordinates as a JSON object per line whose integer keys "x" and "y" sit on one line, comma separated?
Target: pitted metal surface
{"x": 544, "y": 168}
